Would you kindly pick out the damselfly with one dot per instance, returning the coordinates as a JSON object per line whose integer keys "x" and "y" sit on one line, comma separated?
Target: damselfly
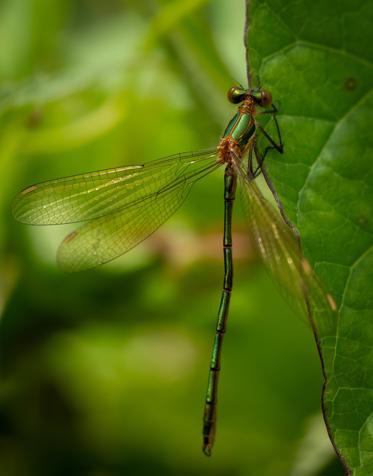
{"x": 122, "y": 206}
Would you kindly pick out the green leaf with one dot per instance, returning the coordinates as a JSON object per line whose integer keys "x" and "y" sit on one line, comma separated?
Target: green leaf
{"x": 316, "y": 58}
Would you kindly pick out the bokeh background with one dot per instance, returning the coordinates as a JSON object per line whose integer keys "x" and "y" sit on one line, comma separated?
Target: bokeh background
{"x": 104, "y": 372}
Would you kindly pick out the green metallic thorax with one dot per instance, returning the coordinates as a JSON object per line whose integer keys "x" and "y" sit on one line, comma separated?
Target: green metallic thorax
{"x": 241, "y": 128}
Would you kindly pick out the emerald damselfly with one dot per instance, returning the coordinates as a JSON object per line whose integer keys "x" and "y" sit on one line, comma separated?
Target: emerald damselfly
{"x": 120, "y": 207}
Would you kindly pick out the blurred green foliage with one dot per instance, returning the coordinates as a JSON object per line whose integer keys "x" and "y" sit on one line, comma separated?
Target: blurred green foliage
{"x": 104, "y": 372}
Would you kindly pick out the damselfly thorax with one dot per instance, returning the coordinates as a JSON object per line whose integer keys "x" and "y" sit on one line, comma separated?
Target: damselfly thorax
{"x": 240, "y": 132}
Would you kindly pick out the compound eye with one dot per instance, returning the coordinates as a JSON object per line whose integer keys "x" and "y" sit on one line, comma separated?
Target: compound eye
{"x": 265, "y": 98}
{"x": 236, "y": 95}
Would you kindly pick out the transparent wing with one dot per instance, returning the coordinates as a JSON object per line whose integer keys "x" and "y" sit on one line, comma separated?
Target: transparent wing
{"x": 93, "y": 195}
{"x": 282, "y": 257}
{"x": 109, "y": 236}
